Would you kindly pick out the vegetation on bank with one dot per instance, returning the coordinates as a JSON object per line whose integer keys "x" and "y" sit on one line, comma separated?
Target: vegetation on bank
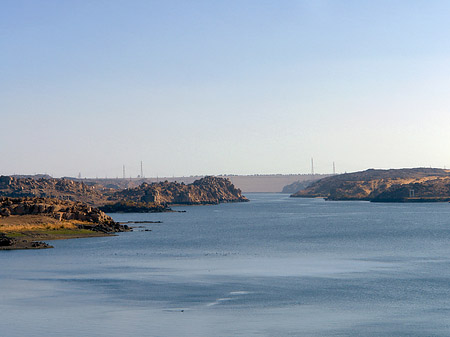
{"x": 25, "y": 231}
{"x": 23, "y": 221}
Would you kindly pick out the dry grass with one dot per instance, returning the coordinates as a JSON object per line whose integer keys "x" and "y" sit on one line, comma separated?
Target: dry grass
{"x": 19, "y": 223}
{"x": 39, "y": 227}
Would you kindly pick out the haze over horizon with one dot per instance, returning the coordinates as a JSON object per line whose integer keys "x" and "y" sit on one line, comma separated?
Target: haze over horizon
{"x": 135, "y": 174}
{"x": 229, "y": 87}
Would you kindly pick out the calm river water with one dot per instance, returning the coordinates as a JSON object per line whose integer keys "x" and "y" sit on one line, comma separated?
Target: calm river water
{"x": 276, "y": 266}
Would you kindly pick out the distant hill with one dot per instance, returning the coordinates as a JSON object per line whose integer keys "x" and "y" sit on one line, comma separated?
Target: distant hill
{"x": 34, "y": 176}
{"x": 297, "y": 186}
{"x": 260, "y": 183}
{"x": 273, "y": 183}
{"x": 395, "y": 185}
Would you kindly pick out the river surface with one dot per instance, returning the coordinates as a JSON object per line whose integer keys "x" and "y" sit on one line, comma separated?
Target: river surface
{"x": 276, "y": 266}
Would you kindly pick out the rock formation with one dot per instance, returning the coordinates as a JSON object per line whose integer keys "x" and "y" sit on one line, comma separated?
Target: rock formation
{"x": 63, "y": 189}
{"x": 9, "y": 243}
{"x": 144, "y": 198}
{"x": 208, "y": 190}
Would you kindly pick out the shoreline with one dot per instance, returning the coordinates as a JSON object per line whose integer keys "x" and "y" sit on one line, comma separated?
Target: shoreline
{"x": 34, "y": 239}
{"x": 29, "y": 231}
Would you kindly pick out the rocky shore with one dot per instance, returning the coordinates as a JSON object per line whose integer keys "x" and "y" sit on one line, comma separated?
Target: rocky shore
{"x": 7, "y": 243}
{"x": 25, "y": 220}
{"x": 134, "y": 207}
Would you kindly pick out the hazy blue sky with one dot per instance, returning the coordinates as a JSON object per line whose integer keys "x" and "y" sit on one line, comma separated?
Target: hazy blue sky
{"x": 212, "y": 87}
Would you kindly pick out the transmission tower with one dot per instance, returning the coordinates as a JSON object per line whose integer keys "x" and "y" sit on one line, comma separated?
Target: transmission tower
{"x": 123, "y": 171}
{"x": 142, "y": 171}
{"x": 312, "y": 166}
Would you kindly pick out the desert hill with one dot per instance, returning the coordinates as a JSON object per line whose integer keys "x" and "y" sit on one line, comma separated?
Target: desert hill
{"x": 416, "y": 184}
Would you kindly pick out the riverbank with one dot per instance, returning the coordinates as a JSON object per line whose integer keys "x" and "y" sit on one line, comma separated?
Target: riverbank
{"x": 27, "y": 231}
{"x": 24, "y": 222}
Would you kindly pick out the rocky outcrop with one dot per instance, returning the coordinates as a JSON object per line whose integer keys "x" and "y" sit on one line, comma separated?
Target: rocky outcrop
{"x": 62, "y": 210}
{"x": 7, "y": 243}
{"x": 383, "y": 185}
{"x": 208, "y": 190}
{"x": 63, "y": 189}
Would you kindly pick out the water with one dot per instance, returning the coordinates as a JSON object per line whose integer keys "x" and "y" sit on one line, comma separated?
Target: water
{"x": 276, "y": 266}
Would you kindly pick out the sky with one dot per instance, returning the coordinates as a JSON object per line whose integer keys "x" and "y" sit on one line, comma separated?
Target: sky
{"x": 222, "y": 87}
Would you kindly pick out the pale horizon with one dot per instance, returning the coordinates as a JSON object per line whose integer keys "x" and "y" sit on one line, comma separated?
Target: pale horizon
{"x": 136, "y": 174}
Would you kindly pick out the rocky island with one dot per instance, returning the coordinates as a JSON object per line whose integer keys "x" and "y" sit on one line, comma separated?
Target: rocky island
{"x": 158, "y": 196}
{"x": 395, "y": 185}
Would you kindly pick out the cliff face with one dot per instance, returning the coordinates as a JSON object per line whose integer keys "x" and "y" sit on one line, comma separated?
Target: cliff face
{"x": 63, "y": 189}
{"x": 61, "y": 210}
{"x": 382, "y": 185}
{"x": 208, "y": 190}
